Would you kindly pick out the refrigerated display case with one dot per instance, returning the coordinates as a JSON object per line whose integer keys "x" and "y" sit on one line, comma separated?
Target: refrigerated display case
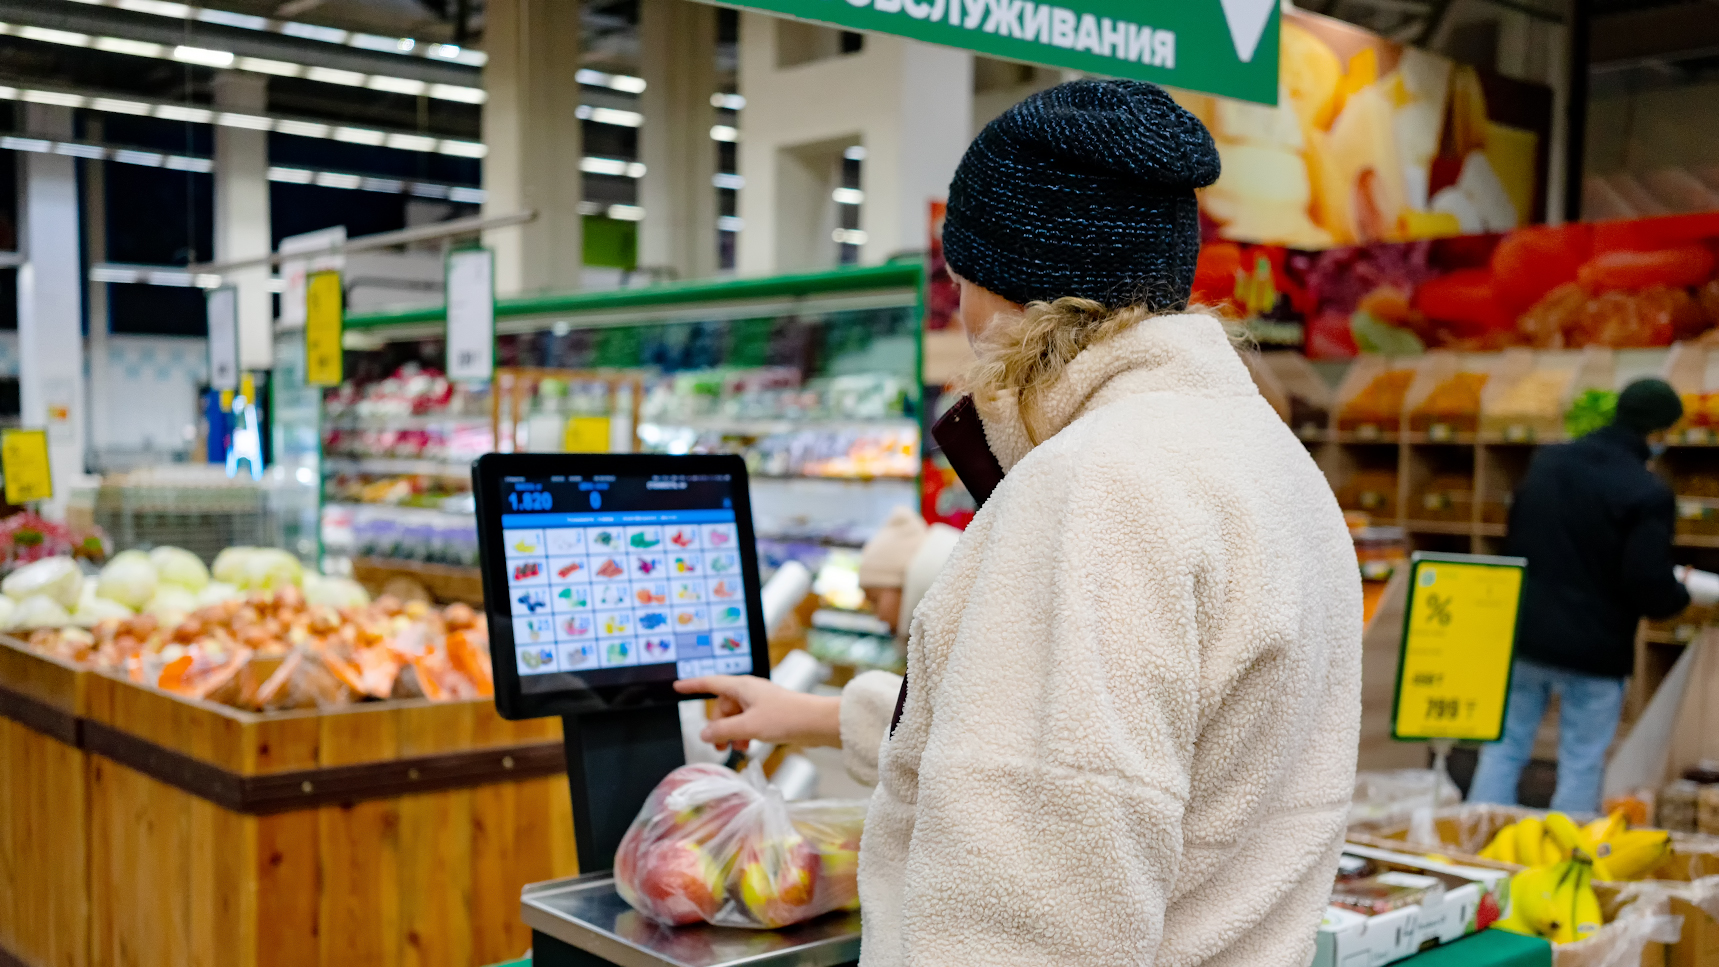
{"x": 813, "y": 378}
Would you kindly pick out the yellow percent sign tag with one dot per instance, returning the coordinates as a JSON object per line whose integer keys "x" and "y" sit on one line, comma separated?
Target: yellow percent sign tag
{"x": 322, "y": 329}
{"x": 1459, "y": 636}
{"x": 24, "y": 462}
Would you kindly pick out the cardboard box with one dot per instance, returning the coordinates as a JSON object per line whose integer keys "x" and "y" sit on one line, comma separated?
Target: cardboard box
{"x": 1350, "y": 939}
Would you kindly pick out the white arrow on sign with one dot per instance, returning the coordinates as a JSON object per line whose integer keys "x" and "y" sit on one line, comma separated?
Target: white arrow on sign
{"x": 1247, "y": 22}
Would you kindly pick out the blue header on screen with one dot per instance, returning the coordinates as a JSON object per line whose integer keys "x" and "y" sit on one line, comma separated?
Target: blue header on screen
{"x": 618, "y": 517}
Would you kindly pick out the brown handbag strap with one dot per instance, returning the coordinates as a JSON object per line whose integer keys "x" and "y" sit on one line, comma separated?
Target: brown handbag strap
{"x": 900, "y": 703}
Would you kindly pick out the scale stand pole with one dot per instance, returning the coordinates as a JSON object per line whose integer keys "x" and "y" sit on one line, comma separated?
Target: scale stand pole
{"x": 614, "y": 759}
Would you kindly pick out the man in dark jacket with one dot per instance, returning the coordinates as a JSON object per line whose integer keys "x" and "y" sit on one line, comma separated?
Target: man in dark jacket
{"x": 1595, "y": 525}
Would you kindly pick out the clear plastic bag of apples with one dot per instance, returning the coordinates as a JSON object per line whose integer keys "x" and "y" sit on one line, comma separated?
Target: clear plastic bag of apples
{"x": 725, "y": 848}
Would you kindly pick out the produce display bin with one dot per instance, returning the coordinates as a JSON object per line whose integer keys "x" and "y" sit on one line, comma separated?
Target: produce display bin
{"x": 44, "y": 809}
{"x": 1370, "y": 398}
{"x": 141, "y": 828}
{"x": 1310, "y": 399}
{"x": 1688, "y": 878}
{"x": 1529, "y": 407}
{"x": 367, "y": 834}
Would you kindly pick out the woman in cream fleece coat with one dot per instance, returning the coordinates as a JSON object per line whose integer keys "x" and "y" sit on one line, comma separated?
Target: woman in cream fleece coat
{"x": 1129, "y": 732}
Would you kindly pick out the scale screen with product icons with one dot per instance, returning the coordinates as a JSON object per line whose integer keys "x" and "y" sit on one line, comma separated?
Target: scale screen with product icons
{"x": 609, "y": 576}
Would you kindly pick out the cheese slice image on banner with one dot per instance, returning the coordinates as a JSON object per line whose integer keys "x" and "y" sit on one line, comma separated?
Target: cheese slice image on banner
{"x": 1247, "y": 19}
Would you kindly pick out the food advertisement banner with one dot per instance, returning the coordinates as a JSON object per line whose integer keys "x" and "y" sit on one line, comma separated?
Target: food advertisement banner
{"x": 1224, "y": 47}
{"x": 1624, "y": 284}
{"x": 1373, "y": 141}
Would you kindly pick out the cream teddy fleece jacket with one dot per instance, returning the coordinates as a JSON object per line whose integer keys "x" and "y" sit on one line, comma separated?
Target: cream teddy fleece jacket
{"x": 1130, "y": 733}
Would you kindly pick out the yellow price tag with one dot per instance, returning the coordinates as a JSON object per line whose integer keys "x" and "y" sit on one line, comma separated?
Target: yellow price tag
{"x": 24, "y": 461}
{"x": 322, "y": 325}
{"x": 1459, "y": 636}
{"x": 586, "y": 434}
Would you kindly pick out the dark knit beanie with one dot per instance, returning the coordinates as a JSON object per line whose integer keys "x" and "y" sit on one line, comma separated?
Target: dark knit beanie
{"x": 1648, "y": 406}
{"x": 1087, "y": 190}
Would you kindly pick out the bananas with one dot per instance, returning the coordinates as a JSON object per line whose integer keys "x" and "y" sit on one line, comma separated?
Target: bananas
{"x": 1632, "y": 854}
{"x": 1554, "y": 901}
{"x": 1612, "y": 850}
{"x": 1561, "y": 831}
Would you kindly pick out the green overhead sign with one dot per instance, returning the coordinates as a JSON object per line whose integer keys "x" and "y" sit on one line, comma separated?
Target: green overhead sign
{"x": 1223, "y": 47}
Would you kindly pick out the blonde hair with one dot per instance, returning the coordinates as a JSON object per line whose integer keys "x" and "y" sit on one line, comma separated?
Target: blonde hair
{"x": 1025, "y": 353}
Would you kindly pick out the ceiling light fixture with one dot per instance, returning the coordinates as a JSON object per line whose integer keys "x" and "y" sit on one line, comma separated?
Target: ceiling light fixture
{"x": 227, "y": 60}
{"x": 405, "y": 46}
{"x": 614, "y": 82}
{"x": 401, "y": 140}
{"x": 609, "y": 115}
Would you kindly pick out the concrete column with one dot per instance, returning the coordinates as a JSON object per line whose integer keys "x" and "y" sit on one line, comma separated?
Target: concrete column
{"x": 242, "y": 212}
{"x": 50, "y": 301}
{"x": 677, "y": 47}
{"x": 909, "y": 104}
{"x": 534, "y": 142}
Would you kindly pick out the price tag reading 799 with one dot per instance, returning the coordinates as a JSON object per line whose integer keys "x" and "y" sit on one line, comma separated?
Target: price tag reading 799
{"x": 1459, "y": 635}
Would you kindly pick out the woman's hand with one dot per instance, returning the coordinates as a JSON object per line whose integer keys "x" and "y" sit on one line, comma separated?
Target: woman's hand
{"x": 749, "y": 707}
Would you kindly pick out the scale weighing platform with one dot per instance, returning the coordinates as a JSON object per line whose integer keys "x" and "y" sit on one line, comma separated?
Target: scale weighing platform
{"x": 582, "y": 922}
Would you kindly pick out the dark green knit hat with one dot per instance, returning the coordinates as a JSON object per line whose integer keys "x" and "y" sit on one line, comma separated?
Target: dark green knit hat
{"x": 1648, "y": 406}
{"x": 1087, "y": 190}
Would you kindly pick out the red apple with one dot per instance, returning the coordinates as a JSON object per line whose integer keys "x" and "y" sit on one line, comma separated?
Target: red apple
{"x": 626, "y": 856}
{"x": 680, "y": 882}
{"x": 778, "y": 881}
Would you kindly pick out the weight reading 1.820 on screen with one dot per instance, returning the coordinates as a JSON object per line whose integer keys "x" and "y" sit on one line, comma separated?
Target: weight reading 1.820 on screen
{"x": 530, "y": 500}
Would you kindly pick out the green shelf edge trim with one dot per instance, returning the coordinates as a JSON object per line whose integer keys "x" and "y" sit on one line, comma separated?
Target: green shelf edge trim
{"x": 892, "y": 275}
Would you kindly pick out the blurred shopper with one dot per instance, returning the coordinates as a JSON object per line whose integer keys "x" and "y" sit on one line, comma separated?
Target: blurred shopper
{"x": 898, "y": 564}
{"x": 1128, "y": 731}
{"x": 1595, "y": 525}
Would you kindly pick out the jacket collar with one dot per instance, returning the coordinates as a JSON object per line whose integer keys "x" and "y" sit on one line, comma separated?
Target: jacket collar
{"x": 1189, "y": 354}
{"x": 1622, "y": 438}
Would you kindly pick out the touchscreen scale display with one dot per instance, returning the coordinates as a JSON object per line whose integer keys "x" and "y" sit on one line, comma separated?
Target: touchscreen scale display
{"x": 618, "y": 580}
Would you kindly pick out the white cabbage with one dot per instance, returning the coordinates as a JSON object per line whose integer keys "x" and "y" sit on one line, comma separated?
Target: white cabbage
{"x": 334, "y": 592}
{"x": 7, "y": 608}
{"x": 176, "y": 565}
{"x": 215, "y": 592}
{"x": 58, "y": 578}
{"x": 96, "y": 610}
{"x": 171, "y": 603}
{"x": 270, "y": 569}
{"x": 129, "y": 579}
{"x": 40, "y": 611}
{"x": 231, "y": 563}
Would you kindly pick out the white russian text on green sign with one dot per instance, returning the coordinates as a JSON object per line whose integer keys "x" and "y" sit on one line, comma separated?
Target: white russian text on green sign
{"x": 1224, "y": 47}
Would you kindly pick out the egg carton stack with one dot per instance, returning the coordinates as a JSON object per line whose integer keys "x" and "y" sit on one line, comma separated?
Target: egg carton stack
{"x": 195, "y": 507}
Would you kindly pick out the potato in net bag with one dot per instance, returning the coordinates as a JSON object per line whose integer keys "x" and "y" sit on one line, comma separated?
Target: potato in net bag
{"x": 723, "y": 847}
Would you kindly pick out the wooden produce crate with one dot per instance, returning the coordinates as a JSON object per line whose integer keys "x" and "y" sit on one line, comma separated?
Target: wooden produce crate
{"x": 1530, "y": 406}
{"x": 378, "y": 833}
{"x": 1366, "y": 478}
{"x": 1265, "y": 380}
{"x": 445, "y": 583}
{"x": 1443, "y": 403}
{"x": 1310, "y": 399}
{"x": 44, "y": 811}
{"x": 1370, "y": 398}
